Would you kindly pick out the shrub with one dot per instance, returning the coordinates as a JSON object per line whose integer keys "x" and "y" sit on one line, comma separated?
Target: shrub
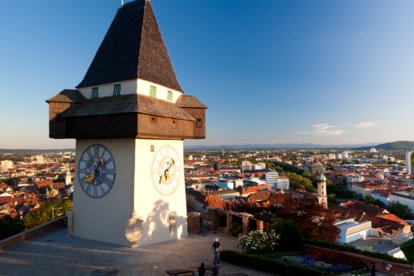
{"x": 289, "y": 234}
{"x": 258, "y": 241}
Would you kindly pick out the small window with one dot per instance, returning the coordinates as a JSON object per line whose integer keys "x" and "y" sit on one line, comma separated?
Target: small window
{"x": 153, "y": 120}
{"x": 199, "y": 123}
{"x": 117, "y": 89}
{"x": 169, "y": 95}
{"x": 153, "y": 91}
{"x": 174, "y": 124}
{"x": 95, "y": 92}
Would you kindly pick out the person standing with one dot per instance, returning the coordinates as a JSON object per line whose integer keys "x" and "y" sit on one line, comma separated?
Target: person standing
{"x": 215, "y": 270}
{"x": 202, "y": 270}
{"x": 216, "y": 247}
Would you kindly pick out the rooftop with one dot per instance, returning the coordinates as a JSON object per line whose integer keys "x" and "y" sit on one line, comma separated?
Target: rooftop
{"x": 132, "y": 48}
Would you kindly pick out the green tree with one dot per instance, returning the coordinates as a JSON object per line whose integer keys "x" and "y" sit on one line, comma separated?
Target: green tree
{"x": 400, "y": 210}
{"x": 46, "y": 212}
{"x": 370, "y": 200}
{"x": 299, "y": 182}
{"x": 290, "y": 236}
{"x": 332, "y": 198}
{"x": 289, "y": 168}
{"x": 339, "y": 190}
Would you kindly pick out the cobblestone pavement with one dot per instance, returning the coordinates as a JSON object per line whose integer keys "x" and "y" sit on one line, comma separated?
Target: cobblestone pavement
{"x": 57, "y": 253}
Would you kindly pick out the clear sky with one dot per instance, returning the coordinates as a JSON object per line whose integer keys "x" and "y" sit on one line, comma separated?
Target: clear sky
{"x": 328, "y": 72}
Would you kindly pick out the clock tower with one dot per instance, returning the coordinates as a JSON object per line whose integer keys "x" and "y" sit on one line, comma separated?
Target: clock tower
{"x": 129, "y": 116}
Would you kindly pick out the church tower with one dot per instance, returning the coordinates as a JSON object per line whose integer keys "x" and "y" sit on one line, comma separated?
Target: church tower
{"x": 129, "y": 116}
{"x": 322, "y": 198}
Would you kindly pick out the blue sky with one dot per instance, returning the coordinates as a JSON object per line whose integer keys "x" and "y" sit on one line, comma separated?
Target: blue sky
{"x": 328, "y": 72}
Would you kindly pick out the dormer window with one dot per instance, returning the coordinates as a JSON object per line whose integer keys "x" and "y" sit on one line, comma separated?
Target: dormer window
{"x": 153, "y": 91}
{"x": 169, "y": 96}
{"x": 117, "y": 89}
{"x": 95, "y": 92}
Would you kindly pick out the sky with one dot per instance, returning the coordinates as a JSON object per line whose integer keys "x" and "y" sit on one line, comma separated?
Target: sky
{"x": 270, "y": 71}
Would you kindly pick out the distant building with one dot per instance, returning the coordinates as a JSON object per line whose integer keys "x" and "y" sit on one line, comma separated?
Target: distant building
{"x": 331, "y": 156}
{"x": 345, "y": 154}
{"x": 272, "y": 178}
{"x": 37, "y": 159}
{"x": 373, "y": 150}
{"x": 5, "y": 165}
{"x": 404, "y": 197}
{"x": 248, "y": 166}
{"x": 317, "y": 167}
{"x": 354, "y": 178}
{"x": 283, "y": 183}
{"x": 352, "y": 230}
{"x": 259, "y": 166}
{"x": 408, "y": 165}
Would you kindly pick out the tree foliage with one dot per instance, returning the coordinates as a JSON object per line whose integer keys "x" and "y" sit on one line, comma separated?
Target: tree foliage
{"x": 400, "y": 210}
{"x": 10, "y": 226}
{"x": 340, "y": 191}
{"x": 370, "y": 200}
{"x": 299, "y": 182}
{"x": 289, "y": 168}
{"x": 46, "y": 212}
{"x": 290, "y": 236}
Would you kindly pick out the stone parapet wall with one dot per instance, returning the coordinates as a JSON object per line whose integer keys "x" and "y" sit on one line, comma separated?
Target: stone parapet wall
{"x": 31, "y": 233}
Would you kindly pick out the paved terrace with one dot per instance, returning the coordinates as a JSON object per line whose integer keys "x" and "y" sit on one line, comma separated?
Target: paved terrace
{"x": 57, "y": 253}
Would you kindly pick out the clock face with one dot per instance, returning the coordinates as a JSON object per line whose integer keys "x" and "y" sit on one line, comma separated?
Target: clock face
{"x": 166, "y": 170}
{"x": 96, "y": 171}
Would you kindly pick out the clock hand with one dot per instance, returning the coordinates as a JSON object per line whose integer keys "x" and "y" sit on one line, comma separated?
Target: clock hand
{"x": 101, "y": 162}
{"x": 96, "y": 171}
{"x": 166, "y": 174}
{"x": 91, "y": 177}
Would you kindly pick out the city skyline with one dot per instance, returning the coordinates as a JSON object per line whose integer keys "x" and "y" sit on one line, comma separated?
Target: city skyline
{"x": 273, "y": 72}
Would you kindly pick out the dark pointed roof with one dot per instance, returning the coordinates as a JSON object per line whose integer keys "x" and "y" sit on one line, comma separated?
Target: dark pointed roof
{"x": 132, "y": 48}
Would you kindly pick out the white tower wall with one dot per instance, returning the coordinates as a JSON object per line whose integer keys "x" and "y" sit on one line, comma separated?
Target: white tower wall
{"x": 105, "y": 219}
